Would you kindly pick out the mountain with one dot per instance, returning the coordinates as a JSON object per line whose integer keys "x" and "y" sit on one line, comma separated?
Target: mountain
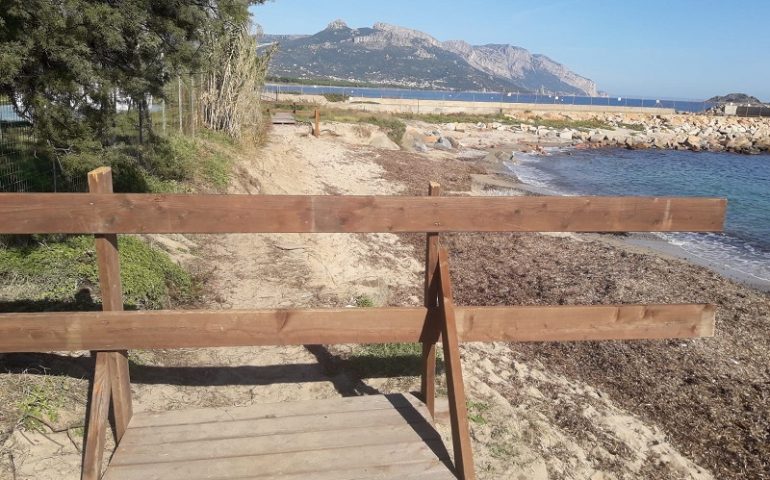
{"x": 740, "y": 98}
{"x": 388, "y": 54}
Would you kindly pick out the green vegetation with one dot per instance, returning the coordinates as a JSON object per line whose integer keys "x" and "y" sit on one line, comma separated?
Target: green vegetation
{"x": 364, "y": 301}
{"x": 392, "y": 126}
{"x": 336, "y": 97}
{"x": 40, "y": 403}
{"x": 637, "y": 127}
{"x": 61, "y": 273}
{"x": 387, "y": 359}
{"x": 575, "y": 124}
{"x": 477, "y": 412}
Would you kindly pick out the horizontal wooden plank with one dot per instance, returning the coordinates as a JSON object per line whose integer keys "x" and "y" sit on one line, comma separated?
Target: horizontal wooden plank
{"x": 22, "y": 213}
{"x": 432, "y": 469}
{"x": 42, "y": 332}
{"x": 307, "y": 462}
{"x": 275, "y": 410}
{"x": 202, "y": 449}
{"x": 309, "y": 422}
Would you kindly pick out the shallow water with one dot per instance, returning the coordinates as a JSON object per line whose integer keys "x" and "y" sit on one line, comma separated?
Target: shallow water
{"x": 743, "y": 179}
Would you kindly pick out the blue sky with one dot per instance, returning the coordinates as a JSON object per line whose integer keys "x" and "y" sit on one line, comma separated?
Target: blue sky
{"x": 654, "y": 48}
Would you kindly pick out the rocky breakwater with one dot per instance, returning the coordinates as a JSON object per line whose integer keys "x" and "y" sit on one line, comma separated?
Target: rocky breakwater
{"x": 695, "y": 133}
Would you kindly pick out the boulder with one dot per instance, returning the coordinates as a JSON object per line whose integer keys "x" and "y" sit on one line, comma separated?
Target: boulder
{"x": 428, "y": 139}
{"x": 693, "y": 141}
{"x": 443, "y": 144}
{"x": 566, "y": 135}
{"x": 420, "y": 147}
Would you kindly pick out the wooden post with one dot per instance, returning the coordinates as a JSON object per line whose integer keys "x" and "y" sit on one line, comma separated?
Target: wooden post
{"x": 428, "y": 379}
{"x": 100, "y": 181}
{"x": 317, "y": 129}
{"x": 192, "y": 105}
{"x": 179, "y": 101}
{"x": 99, "y": 407}
{"x": 458, "y": 413}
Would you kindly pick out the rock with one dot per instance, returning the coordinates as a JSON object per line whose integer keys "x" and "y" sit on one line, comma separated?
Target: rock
{"x": 420, "y": 147}
{"x": 693, "y": 141}
{"x": 428, "y": 139}
{"x": 566, "y": 135}
{"x": 443, "y": 143}
{"x": 597, "y": 138}
{"x": 453, "y": 142}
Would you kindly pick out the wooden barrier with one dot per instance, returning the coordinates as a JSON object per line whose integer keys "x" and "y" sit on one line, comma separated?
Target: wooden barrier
{"x": 111, "y": 332}
{"x": 44, "y": 332}
{"x": 142, "y": 213}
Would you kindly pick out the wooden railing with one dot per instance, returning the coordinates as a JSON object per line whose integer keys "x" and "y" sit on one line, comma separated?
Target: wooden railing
{"x": 112, "y": 332}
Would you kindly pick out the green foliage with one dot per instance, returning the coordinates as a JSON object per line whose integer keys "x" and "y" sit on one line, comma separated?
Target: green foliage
{"x": 166, "y": 164}
{"x": 364, "y": 301}
{"x": 58, "y": 271}
{"x": 637, "y": 127}
{"x": 477, "y": 412}
{"x": 336, "y": 97}
{"x": 393, "y": 127}
{"x": 575, "y": 124}
{"x": 40, "y": 403}
{"x": 390, "y": 360}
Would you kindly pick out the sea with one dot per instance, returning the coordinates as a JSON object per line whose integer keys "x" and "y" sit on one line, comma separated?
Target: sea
{"x": 681, "y": 105}
{"x": 741, "y": 252}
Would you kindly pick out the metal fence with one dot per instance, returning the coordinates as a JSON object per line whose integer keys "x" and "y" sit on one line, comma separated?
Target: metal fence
{"x": 23, "y": 168}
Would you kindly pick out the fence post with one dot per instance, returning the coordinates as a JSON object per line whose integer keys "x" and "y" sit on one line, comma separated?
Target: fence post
{"x": 179, "y": 102}
{"x": 192, "y": 105}
{"x": 100, "y": 181}
{"x": 428, "y": 378}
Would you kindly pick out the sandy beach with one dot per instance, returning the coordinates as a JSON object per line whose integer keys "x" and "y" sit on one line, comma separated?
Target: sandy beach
{"x": 694, "y": 409}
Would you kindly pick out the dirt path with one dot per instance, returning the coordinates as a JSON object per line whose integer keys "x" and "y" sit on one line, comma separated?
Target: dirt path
{"x": 527, "y": 422}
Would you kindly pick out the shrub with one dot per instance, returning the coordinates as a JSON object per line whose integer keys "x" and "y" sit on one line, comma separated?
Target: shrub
{"x": 336, "y": 97}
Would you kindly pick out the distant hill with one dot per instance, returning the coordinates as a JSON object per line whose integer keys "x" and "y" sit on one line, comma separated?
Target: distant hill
{"x": 388, "y": 54}
{"x": 740, "y": 98}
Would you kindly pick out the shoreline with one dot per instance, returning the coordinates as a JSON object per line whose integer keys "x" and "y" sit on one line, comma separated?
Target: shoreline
{"x": 639, "y": 242}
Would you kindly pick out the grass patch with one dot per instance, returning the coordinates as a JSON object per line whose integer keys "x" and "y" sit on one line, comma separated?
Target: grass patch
{"x": 477, "y": 412}
{"x": 60, "y": 273}
{"x": 632, "y": 126}
{"x": 336, "y": 97}
{"x": 364, "y": 301}
{"x": 583, "y": 125}
{"x": 40, "y": 403}
{"x": 387, "y": 359}
{"x": 393, "y": 127}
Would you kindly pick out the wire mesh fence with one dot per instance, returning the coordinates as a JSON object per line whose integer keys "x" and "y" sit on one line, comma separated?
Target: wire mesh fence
{"x": 24, "y": 167}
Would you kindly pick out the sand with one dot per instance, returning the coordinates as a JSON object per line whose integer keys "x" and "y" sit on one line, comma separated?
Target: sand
{"x": 534, "y": 414}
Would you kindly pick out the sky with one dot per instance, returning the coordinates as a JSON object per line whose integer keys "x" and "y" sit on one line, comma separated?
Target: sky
{"x": 682, "y": 49}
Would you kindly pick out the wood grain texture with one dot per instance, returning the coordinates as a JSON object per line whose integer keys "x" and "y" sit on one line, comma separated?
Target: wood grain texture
{"x": 99, "y": 408}
{"x": 379, "y": 436}
{"x": 108, "y": 262}
{"x": 458, "y": 412}
{"x": 44, "y": 332}
{"x": 428, "y": 360}
{"x": 22, "y": 213}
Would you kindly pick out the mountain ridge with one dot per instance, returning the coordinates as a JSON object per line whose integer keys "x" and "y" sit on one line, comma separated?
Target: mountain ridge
{"x": 395, "y": 55}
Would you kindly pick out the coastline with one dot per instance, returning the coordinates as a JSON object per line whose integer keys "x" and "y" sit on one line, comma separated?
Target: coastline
{"x": 639, "y": 242}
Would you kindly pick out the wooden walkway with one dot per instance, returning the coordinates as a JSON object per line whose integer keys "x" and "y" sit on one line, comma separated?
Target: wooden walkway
{"x": 284, "y": 118}
{"x": 376, "y": 436}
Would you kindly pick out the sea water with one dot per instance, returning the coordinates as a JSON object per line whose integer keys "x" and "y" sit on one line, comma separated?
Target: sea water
{"x": 744, "y": 247}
